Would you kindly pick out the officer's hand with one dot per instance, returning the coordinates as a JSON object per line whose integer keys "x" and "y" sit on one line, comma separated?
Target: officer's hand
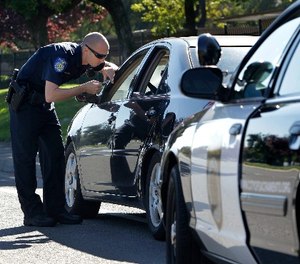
{"x": 109, "y": 70}
{"x": 92, "y": 87}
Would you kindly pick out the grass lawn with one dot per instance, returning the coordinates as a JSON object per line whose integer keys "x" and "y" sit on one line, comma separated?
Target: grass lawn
{"x": 65, "y": 111}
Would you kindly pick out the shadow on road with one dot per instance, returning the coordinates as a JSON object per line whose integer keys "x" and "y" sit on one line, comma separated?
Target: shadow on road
{"x": 121, "y": 237}
{"x": 23, "y": 240}
{"x": 118, "y": 237}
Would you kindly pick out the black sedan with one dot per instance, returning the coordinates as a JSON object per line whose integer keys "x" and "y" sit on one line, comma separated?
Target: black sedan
{"x": 114, "y": 143}
{"x": 232, "y": 170}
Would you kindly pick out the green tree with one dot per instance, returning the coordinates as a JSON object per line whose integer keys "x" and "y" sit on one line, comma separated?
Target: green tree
{"x": 123, "y": 29}
{"x": 258, "y": 6}
{"x": 198, "y": 13}
{"x": 36, "y": 14}
{"x": 222, "y": 8}
{"x": 43, "y": 20}
{"x": 176, "y": 15}
{"x": 61, "y": 26}
{"x": 165, "y": 17}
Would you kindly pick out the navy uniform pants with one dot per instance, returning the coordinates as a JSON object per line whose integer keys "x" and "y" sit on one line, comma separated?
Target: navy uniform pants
{"x": 36, "y": 129}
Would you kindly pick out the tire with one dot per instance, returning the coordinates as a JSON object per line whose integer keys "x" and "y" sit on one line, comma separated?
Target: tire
{"x": 153, "y": 201}
{"x": 75, "y": 203}
{"x": 181, "y": 246}
{"x": 178, "y": 237}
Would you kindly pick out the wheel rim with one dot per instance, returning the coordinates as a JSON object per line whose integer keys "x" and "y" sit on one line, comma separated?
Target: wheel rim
{"x": 155, "y": 204}
{"x": 71, "y": 180}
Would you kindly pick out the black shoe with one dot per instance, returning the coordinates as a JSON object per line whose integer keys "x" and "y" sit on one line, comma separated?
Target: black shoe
{"x": 68, "y": 219}
{"x": 39, "y": 220}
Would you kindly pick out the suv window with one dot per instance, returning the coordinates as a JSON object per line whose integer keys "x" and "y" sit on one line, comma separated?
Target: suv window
{"x": 254, "y": 78}
{"x": 291, "y": 79}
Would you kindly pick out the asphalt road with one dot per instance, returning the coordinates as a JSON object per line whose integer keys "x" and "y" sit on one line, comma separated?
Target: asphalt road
{"x": 118, "y": 235}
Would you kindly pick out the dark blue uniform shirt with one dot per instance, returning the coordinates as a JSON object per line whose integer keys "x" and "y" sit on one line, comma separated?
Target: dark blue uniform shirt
{"x": 57, "y": 63}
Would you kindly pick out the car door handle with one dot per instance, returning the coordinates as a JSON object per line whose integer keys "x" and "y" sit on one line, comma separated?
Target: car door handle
{"x": 294, "y": 139}
{"x": 111, "y": 119}
{"x": 235, "y": 129}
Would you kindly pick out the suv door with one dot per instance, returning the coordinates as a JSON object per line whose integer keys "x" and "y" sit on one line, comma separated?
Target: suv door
{"x": 216, "y": 152}
{"x": 271, "y": 167}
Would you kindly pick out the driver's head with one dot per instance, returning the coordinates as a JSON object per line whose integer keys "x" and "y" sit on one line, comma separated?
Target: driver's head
{"x": 209, "y": 50}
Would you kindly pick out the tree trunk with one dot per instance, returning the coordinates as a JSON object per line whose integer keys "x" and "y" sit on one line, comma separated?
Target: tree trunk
{"x": 38, "y": 30}
{"x": 202, "y": 20}
{"x": 123, "y": 29}
{"x": 37, "y": 25}
{"x": 190, "y": 17}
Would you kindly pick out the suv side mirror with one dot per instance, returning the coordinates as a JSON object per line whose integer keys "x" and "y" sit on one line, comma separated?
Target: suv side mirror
{"x": 202, "y": 82}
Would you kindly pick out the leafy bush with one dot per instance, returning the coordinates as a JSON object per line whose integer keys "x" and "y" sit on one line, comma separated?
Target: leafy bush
{"x": 4, "y": 81}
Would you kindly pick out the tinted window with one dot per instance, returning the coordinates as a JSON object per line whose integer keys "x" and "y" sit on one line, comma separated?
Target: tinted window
{"x": 254, "y": 78}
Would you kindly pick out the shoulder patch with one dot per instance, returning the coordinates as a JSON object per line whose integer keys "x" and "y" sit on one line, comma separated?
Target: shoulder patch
{"x": 60, "y": 64}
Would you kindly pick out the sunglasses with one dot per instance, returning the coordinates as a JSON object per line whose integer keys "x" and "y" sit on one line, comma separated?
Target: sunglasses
{"x": 97, "y": 55}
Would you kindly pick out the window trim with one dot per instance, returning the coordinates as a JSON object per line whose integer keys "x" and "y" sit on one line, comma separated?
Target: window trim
{"x": 285, "y": 63}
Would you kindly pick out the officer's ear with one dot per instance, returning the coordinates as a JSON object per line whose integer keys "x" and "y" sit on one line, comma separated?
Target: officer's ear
{"x": 84, "y": 49}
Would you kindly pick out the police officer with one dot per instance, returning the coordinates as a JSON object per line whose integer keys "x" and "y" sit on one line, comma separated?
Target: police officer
{"x": 36, "y": 128}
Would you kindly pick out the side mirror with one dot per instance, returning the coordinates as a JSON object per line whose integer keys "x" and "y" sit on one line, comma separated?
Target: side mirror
{"x": 202, "y": 82}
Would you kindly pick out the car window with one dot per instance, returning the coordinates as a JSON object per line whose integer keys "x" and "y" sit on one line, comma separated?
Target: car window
{"x": 291, "y": 80}
{"x": 156, "y": 83}
{"x": 124, "y": 83}
{"x": 255, "y": 76}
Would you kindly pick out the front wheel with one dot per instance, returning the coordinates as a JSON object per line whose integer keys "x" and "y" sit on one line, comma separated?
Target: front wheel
{"x": 153, "y": 201}
{"x": 178, "y": 238}
{"x": 75, "y": 203}
{"x": 181, "y": 246}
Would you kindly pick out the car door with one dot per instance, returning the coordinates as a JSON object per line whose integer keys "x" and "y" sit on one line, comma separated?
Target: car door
{"x": 137, "y": 119}
{"x": 216, "y": 153}
{"x": 95, "y": 148}
{"x": 270, "y": 168}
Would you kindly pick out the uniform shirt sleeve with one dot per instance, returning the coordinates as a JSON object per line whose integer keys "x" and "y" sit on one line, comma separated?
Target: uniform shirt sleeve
{"x": 54, "y": 71}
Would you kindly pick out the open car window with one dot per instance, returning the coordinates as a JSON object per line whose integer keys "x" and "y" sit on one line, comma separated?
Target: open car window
{"x": 155, "y": 73}
{"x": 123, "y": 85}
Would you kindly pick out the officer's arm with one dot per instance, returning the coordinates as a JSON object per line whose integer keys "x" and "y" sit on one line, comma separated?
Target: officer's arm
{"x": 53, "y": 93}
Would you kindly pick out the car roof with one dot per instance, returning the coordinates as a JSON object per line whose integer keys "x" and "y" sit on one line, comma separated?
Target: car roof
{"x": 227, "y": 40}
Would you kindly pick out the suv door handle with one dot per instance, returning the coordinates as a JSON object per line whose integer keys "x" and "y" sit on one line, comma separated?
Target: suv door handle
{"x": 235, "y": 129}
